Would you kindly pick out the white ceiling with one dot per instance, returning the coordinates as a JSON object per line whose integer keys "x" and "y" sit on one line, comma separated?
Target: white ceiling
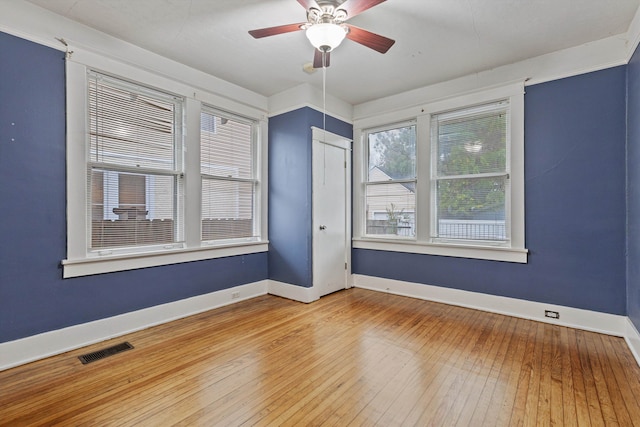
{"x": 436, "y": 40}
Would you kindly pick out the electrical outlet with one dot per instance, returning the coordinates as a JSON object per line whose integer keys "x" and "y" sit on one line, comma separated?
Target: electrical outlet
{"x": 551, "y": 314}
{"x": 235, "y": 295}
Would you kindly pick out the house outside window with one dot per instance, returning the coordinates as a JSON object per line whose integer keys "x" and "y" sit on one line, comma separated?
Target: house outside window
{"x": 390, "y": 189}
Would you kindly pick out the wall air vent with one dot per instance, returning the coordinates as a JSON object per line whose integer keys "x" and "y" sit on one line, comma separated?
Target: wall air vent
{"x": 106, "y": 352}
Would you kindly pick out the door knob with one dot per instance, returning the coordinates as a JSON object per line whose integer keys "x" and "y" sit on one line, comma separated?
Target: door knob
{"x": 323, "y": 227}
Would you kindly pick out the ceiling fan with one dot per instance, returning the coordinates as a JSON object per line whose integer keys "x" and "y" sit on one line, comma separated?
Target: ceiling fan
{"x": 326, "y": 27}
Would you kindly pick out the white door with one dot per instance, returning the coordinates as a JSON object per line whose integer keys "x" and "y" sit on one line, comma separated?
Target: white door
{"x": 330, "y": 213}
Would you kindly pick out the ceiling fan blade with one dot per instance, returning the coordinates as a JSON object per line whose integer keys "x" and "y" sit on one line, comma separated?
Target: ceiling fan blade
{"x": 308, "y": 4}
{"x": 354, "y": 7}
{"x": 272, "y": 31}
{"x": 371, "y": 40}
{"x": 317, "y": 59}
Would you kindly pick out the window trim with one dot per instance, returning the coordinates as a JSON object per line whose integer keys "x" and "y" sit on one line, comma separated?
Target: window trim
{"x": 424, "y": 244}
{"x": 79, "y": 262}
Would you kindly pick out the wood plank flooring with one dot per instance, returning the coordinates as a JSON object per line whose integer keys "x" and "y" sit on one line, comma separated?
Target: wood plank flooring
{"x": 355, "y": 357}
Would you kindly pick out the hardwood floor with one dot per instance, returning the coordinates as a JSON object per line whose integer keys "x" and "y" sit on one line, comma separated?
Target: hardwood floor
{"x": 355, "y": 357}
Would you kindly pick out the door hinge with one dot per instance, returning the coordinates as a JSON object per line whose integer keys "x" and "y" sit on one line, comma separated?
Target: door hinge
{"x": 345, "y": 265}
{"x": 345, "y": 164}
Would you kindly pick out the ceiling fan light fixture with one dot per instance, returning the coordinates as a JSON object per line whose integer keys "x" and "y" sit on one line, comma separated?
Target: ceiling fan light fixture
{"x": 326, "y": 36}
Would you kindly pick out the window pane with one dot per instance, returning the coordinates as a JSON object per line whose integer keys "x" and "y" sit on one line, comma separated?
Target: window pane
{"x": 133, "y": 127}
{"x": 130, "y": 127}
{"x": 225, "y": 146}
{"x": 392, "y": 154}
{"x": 472, "y": 144}
{"x": 226, "y": 151}
{"x": 131, "y": 209}
{"x": 390, "y": 209}
{"x": 227, "y": 209}
{"x": 472, "y": 209}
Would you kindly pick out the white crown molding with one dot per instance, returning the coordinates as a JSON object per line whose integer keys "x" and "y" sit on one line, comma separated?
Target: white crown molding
{"x": 633, "y": 35}
{"x": 36, "y": 347}
{"x": 30, "y": 22}
{"x": 33, "y": 23}
{"x": 305, "y": 95}
{"x": 594, "y": 56}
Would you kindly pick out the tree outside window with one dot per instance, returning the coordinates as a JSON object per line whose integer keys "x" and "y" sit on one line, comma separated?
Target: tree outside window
{"x": 390, "y": 189}
{"x": 471, "y": 173}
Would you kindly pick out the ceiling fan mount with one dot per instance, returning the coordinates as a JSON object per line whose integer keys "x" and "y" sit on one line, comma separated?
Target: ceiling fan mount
{"x": 326, "y": 27}
{"x": 326, "y": 13}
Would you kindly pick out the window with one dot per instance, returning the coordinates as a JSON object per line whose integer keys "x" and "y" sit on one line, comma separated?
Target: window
{"x": 228, "y": 182}
{"x": 390, "y": 189}
{"x": 134, "y": 167}
{"x": 446, "y": 178}
{"x": 470, "y": 173}
{"x": 158, "y": 172}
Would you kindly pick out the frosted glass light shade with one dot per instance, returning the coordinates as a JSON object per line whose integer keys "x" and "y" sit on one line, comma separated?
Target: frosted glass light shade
{"x": 326, "y": 37}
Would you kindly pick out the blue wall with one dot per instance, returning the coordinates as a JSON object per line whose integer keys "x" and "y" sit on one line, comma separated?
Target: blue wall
{"x": 633, "y": 189}
{"x": 575, "y": 207}
{"x": 33, "y": 296}
{"x": 290, "y": 183}
{"x": 574, "y": 204}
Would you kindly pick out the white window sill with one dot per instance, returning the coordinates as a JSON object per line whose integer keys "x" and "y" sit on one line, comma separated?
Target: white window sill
{"x": 112, "y": 263}
{"x": 493, "y": 253}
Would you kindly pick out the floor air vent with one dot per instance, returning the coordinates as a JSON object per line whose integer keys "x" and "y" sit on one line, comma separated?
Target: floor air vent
{"x": 105, "y": 352}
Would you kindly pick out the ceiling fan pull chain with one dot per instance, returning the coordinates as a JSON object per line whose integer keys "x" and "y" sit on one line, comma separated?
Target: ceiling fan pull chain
{"x": 324, "y": 115}
{"x": 324, "y": 94}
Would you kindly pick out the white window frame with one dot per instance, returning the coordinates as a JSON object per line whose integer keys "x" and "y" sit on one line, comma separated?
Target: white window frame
{"x": 80, "y": 261}
{"x": 465, "y": 112}
{"x": 366, "y": 182}
{"x": 177, "y": 173}
{"x": 514, "y": 250}
{"x": 255, "y": 182}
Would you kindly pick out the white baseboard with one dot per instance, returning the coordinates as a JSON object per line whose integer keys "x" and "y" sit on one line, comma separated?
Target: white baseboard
{"x": 632, "y": 337}
{"x": 293, "y": 292}
{"x": 594, "y": 321}
{"x": 25, "y": 350}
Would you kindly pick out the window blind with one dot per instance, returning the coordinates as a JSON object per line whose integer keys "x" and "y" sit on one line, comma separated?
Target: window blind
{"x": 227, "y": 166}
{"x": 134, "y": 166}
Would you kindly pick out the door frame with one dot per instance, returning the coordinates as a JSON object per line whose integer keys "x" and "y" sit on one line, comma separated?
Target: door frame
{"x": 325, "y": 137}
